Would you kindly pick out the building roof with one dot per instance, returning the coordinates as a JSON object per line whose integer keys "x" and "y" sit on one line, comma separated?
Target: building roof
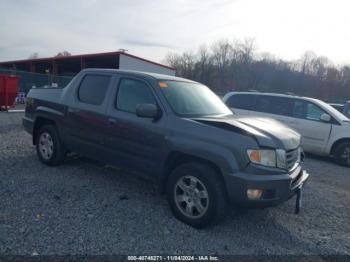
{"x": 115, "y": 53}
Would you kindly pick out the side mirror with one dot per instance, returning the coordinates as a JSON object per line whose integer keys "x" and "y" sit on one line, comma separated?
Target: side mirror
{"x": 147, "y": 110}
{"x": 325, "y": 118}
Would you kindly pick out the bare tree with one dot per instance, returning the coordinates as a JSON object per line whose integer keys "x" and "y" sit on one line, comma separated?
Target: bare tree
{"x": 237, "y": 66}
{"x": 34, "y": 56}
{"x": 204, "y": 65}
{"x": 173, "y": 60}
{"x": 184, "y": 64}
{"x": 245, "y": 50}
{"x": 188, "y": 61}
{"x": 64, "y": 53}
{"x": 266, "y": 56}
{"x": 306, "y": 61}
{"x": 222, "y": 52}
{"x": 319, "y": 67}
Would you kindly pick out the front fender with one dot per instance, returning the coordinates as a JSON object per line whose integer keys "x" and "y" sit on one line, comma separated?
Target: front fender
{"x": 222, "y": 157}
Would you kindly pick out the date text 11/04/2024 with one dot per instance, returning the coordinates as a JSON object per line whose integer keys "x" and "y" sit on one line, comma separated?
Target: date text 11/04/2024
{"x": 173, "y": 258}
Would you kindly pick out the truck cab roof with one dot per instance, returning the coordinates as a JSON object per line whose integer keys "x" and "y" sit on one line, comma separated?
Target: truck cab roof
{"x": 137, "y": 73}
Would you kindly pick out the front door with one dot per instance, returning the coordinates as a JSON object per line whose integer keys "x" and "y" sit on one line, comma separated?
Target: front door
{"x": 307, "y": 121}
{"x": 134, "y": 142}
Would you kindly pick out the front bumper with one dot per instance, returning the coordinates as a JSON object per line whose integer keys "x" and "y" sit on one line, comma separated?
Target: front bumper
{"x": 276, "y": 188}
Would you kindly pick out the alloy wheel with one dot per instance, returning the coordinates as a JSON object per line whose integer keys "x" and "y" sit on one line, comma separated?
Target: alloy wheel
{"x": 46, "y": 146}
{"x": 191, "y": 197}
{"x": 345, "y": 155}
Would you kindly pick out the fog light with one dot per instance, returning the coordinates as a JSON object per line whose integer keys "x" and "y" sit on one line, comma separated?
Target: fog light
{"x": 254, "y": 193}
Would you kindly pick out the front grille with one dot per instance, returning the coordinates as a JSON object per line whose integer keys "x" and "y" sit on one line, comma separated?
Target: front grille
{"x": 292, "y": 156}
{"x": 296, "y": 179}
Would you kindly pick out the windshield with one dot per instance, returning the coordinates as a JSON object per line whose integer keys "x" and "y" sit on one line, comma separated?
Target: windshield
{"x": 192, "y": 99}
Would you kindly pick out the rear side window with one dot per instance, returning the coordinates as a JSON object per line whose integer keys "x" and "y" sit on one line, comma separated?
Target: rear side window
{"x": 131, "y": 93}
{"x": 274, "y": 105}
{"x": 241, "y": 101}
{"x": 299, "y": 109}
{"x": 93, "y": 89}
{"x": 264, "y": 104}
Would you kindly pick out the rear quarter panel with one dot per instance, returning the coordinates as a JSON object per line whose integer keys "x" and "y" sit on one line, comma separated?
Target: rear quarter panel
{"x": 44, "y": 103}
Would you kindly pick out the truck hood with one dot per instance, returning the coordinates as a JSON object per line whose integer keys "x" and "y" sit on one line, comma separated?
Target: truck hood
{"x": 266, "y": 131}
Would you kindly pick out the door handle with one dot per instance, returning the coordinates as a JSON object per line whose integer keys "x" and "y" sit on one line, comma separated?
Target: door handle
{"x": 73, "y": 110}
{"x": 112, "y": 121}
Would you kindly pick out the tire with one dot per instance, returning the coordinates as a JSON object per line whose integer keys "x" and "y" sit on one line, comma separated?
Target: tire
{"x": 49, "y": 147}
{"x": 342, "y": 154}
{"x": 187, "y": 188}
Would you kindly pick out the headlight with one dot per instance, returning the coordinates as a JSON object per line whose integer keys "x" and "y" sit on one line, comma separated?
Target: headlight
{"x": 267, "y": 157}
{"x": 281, "y": 158}
{"x": 263, "y": 157}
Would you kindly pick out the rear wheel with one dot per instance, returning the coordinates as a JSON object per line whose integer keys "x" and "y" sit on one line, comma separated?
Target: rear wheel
{"x": 342, "y": 154}
{"x": 196, "y": 195}
{"x": 49, "y": 148}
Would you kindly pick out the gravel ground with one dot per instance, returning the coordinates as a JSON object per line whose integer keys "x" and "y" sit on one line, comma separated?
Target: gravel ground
{"x": 86, "y": 208}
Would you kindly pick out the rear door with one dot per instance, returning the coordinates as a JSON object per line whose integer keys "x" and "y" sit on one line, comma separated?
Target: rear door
{"x": 241, "y": 104}
{"x": 86, "y": 117}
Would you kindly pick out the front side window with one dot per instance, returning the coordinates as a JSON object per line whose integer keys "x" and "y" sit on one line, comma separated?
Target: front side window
{"x": 313, "y": 112}
{"x": 93, "y": 89}
{"x": 307, "y": 110}
{"x": 132, "y": 93}
{"x": 192, "y": 99}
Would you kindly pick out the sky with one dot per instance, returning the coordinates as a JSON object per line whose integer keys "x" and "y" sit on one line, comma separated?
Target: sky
{"x": 153, "y": 28}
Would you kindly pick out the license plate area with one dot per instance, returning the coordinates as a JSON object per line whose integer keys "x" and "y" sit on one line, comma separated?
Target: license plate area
{"x": 298, "y": 200}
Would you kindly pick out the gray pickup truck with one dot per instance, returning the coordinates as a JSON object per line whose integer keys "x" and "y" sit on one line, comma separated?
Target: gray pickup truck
{"x": 174, "y": 130}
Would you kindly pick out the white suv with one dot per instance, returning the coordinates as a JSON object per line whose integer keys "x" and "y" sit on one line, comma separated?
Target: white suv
{"x": 325, "y": 131}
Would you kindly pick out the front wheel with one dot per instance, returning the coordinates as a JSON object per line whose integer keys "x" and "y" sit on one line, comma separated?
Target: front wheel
{"x": 196, "y": 195}
{"x": 342, "y": 154}
{"x": 49, "y": 148}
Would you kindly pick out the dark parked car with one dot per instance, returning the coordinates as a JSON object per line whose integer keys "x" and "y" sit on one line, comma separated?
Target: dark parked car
{"x": 339, "y": 107}
{"x": 174, "y": 130}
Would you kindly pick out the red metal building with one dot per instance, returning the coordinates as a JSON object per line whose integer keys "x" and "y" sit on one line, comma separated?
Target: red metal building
{"x": 71, "y": 65}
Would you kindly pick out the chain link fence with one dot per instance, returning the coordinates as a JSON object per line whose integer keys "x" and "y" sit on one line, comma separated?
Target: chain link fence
{"x": 28, "y": 79}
